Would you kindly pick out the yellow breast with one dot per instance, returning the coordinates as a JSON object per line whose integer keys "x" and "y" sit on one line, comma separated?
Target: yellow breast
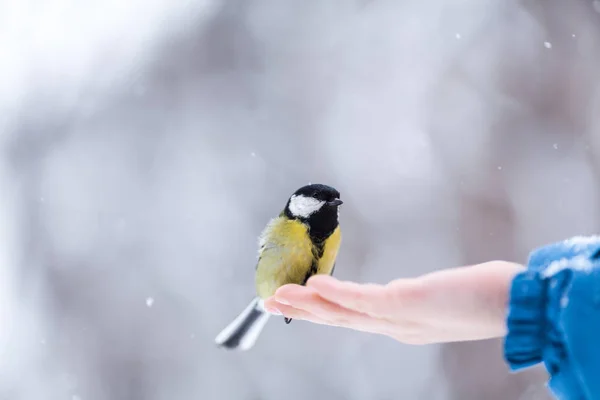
{"x": 286, "y": 255}
{"x": 332, "y": 245}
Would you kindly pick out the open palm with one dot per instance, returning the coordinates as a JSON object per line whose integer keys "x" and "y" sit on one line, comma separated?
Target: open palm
{"x": 365, "y": 307}
{"x": 458, "y": 304}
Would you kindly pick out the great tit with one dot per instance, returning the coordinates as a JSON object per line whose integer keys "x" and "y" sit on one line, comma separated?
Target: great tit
{"x": 302, "y": 241}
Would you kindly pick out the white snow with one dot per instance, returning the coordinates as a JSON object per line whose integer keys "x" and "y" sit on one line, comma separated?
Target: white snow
{"x": 564, "y": 301}
{"x": 579, "y": 242}
{"x": 548, "y": 45}
{"x": 579, "y": 263}
{"x": 149, "y": 302}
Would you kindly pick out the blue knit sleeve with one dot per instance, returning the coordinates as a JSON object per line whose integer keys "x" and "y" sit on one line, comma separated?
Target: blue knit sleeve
{"x": 554, "y": 317}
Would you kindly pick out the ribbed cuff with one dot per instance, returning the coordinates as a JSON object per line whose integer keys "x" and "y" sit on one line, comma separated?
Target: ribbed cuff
{"x": 526, "y": 321}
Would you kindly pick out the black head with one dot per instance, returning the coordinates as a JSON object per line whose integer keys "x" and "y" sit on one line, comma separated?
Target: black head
{"x": 317, "y": 206}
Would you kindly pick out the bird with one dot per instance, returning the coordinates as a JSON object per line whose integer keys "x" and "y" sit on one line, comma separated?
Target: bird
{"x": 302, "y": 241}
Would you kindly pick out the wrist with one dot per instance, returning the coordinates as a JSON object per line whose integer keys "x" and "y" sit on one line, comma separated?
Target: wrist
{"x": 471, "y": 302}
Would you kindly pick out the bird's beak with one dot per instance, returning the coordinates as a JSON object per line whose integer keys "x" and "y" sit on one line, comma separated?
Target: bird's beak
{"x": 335, "y": 203}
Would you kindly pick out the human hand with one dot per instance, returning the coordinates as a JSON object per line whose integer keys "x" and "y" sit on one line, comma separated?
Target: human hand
{"x": 364, "y": 307}
{"x": 459, "y": 304}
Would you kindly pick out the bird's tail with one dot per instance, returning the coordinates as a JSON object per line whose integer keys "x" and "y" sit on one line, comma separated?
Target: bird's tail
{"x": 243, "y": 331}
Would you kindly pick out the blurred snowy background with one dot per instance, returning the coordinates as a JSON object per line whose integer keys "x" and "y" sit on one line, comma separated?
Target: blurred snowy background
{"x": 144, "y": 145}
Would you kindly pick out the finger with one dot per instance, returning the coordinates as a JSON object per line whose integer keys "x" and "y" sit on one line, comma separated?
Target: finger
{"x": 309, "y": 300}
{"x": 370, "y": 299}
{"x": 291, "y": 312}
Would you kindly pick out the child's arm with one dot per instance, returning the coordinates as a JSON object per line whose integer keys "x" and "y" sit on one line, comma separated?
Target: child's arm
{"x": 471, "y": 301}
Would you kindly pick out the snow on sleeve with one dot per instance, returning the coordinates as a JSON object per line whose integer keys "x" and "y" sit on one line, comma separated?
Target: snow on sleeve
{"x": 578, "y": 263}
{"x": 570, "y": 249}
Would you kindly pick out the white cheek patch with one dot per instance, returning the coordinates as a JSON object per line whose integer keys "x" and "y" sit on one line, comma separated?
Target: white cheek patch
{"x": 302, "y": 206}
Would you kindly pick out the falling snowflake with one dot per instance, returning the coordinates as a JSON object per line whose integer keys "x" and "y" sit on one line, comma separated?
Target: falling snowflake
{"x": 548, "y": 45}
{"x": 253, "y": 154}
{"x": 149, "y": 301}
{"x": 555, "y": 145}
{"x": 458, "y": 36}
{"x": 499, "y": 167}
